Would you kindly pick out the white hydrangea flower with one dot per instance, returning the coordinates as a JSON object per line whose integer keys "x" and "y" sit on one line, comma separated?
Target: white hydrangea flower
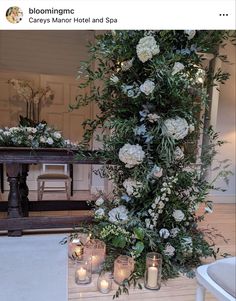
{"x": 177, "y": 128}
{"x": 178, "y": 215}
{"x": 57, "y": 135}
{"x": 118, "y": 214}
{"x": 114, "y": 79}
{"x": 169, "y": 250}
{"x": 164, "y": 233}
{"x": 177, "y": 68}
{"x": 99, "y": 213}
{"x": 190, "y": 33}
{"x": 126, "y": 65}
{"x": 99, "y": 201}
{"x": 49, "y": 141}
{"x": 131, "y": 155}
{"x": 174, "y": 232}
{"x": 147, "y": 87}
{"x": 30, "y": 137}
{"x": 147, "y": 48}
{"x": 131, "y": 186}
{"x": 153, "y": 117}
{"x": 157, "y": 200}
{"x": 178, "y": 153}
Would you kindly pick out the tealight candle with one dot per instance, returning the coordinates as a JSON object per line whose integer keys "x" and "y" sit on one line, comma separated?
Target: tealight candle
{"x": 104, "y": 283}
{"x": 83, "y": 272}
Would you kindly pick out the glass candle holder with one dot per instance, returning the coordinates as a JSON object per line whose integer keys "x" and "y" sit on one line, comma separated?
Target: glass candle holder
{"x": 96, "y": 250}
{"x": 83, "y": 272}
{"x": 123, "y": 267}
{"x": 104, "y": 283}
{"x": 152, "y": 278}
{"x": 75, "y": 249}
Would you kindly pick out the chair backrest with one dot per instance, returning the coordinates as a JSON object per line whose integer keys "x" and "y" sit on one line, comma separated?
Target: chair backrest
{"x": 55, "y": 168}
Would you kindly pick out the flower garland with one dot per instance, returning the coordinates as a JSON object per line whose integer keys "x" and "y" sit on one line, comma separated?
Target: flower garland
{"x": 150, "y": 102}
{"x": 37, "y": 136}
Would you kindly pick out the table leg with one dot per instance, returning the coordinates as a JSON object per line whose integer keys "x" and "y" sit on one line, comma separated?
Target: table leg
{"x": 14, "y": 201}
{"x": 24, "y": 190}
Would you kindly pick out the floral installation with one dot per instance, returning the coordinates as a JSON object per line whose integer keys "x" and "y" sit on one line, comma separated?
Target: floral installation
{"x": 151, "y": 108}
{"x": 34, "y": 135}
{"x": 33, "y": 97}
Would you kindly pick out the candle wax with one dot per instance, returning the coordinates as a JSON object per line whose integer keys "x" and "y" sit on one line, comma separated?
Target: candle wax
{"x": 81, "y": 273}
{"x": 104, "y": 284}
{"x": 152, "y": 277}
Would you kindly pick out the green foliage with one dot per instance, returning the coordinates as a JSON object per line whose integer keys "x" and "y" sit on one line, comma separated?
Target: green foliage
{"x": 162, "y": 190}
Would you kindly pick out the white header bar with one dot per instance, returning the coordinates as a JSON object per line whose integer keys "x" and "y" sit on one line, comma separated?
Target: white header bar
{"x": 118, "y": 14}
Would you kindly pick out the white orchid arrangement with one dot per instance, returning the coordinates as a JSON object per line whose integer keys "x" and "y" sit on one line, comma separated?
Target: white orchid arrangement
{"x": 33, "y": 97}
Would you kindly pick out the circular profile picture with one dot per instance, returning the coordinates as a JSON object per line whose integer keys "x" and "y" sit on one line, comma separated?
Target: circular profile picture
{"x": 14, "y": 14}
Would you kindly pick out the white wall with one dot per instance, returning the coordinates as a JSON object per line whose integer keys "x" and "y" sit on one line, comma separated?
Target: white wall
{"x": 44, "y": 51}
{"x": 225, "y": 125}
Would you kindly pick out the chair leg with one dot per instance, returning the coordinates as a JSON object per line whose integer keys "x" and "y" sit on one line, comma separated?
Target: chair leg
{"x": 67, "y": 188}
{"x": 39, "y": 188}
{"x": 200, "y": 293}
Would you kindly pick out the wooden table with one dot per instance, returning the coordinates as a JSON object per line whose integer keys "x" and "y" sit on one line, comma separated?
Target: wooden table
{"x": 17, "y": 161}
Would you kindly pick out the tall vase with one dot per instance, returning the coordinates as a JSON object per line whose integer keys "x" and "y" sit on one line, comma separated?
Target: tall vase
{"x": 32, "y": 111}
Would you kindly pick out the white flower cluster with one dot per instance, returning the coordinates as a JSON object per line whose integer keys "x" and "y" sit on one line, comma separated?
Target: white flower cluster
{"x": 131, "y": 155}
{"x": 159, "y": 202}
{"x": 29, "y": 94}
{"x": 147, "y": 87}
{"x": 178, "y": 215}
{"x": 178, "y": 153}
{"x": 169, "y": 250}
{"x": 38, "y": 136}
{"x": 114, "y": 79}
{"x": 177, "y": 128}
{"x": 147, "y": 48}
{"x": 156, "y": 172}
{"x": 114, "y": 230}
{"x": 132, "y": 187}
{"x": 164, "y": 233}
{"x": 118, "y": 214}
{"x": 190, "y": 34}
{"x": 187, "y": 244}
{"x": 177, "y": 68}
{"x": 153, "y": 117}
